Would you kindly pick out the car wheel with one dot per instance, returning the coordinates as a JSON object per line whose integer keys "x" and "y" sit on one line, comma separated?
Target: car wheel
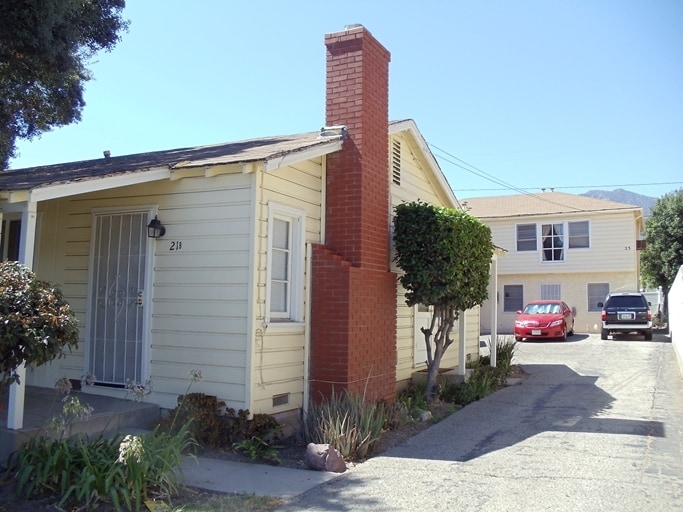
{"x": 603, "y": 334}
{"x": 564, "y": 333}
{"x": 571, "y": 331}
{"x": 648, "y": 335}
{"x": 518, "y": 338}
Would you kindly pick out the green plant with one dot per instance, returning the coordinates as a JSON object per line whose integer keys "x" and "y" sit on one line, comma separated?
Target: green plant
{"x": 346, "y": 422}
{"x": 37, "y": 322}
{"x": 445, "y": 255}
{"x": 413, "y": 399}
{"x": 259, "y": 448}
{"x": 505, "y": 351}
{"x": 120, "y": 470}
{"x": 211, "y": 425}
{"x": 483, "y": 381}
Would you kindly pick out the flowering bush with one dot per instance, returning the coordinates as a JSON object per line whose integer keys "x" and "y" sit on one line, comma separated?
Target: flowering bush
{"x": 36, "y": 323}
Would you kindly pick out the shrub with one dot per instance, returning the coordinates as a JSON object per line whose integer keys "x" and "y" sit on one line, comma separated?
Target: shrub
{"x": 413, "y": 400}
{"x": 38, "y": 323}
{"x": 505, "y": 351}
{"x": 484, "y": 378}
{"x": 346, "y": 422}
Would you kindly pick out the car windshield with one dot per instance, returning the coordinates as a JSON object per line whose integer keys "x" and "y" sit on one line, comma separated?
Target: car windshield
{"x": 542, "y": 309}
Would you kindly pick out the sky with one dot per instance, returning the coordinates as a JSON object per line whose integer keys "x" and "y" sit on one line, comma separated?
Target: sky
{"x": 512, "y": 97}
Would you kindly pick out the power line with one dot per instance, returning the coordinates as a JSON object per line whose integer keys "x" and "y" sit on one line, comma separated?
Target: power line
{"x": 508, "y": 186}
{"x": 618, "y": 185}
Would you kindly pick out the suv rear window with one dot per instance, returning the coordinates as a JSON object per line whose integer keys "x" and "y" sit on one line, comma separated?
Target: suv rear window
{"x": 627, "y": 301}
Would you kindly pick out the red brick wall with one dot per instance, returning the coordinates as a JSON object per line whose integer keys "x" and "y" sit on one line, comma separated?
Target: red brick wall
{"x": 358, "y": 176}
{"x": 353, "y": 321}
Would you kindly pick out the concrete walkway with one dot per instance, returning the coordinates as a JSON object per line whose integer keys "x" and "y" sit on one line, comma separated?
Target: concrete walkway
{"x": 598, "y": 425}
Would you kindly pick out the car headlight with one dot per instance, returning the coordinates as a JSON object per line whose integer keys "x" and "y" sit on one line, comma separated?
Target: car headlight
{"x": 556, "y": 322}
{"x": 519, "y": 324}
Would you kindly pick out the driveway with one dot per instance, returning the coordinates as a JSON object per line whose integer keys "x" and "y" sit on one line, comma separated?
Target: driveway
{"x": 597, "y": 425}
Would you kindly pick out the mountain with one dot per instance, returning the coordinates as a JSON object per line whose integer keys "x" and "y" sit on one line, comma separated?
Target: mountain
{"x": 624, "y": 196}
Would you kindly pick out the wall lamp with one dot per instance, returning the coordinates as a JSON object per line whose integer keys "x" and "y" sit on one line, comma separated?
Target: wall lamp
{"x": 155, "y": 229}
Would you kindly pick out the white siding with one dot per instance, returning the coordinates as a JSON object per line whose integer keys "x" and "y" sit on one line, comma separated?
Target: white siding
{"x": 612, "y": 245}
{"x": 279, "y": 348}
{"x": 199, "y": 300}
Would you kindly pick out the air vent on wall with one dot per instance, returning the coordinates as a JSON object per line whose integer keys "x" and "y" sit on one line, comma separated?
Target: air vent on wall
{"x": 396, "y": 162}
{"x": 279, "y": 400}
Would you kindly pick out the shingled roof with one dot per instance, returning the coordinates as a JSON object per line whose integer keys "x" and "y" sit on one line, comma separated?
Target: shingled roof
{"x": 268, "y": 149}
{"x": 547, "y": 203}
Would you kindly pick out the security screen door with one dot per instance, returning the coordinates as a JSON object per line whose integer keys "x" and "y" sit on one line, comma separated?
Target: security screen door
{"x": 116, "y": 312}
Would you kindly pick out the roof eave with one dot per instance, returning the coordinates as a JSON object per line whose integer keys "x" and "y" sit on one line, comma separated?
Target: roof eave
{"x": 72, "y": 188}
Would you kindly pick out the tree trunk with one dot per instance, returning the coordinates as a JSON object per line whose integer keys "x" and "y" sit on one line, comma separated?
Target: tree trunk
{"x": 441, "y": 341}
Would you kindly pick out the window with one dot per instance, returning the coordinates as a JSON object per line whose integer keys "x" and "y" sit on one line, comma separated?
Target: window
{"x": 551, "y": 292}
{"x": 553, "y": 241}
{"x": 10, "y": 231}
{"x": 597, "y": 293}
{"x": 526, "y": 237}
{"x": 513, "y": 297}
{"x": 285, "y": 263}
{"x": 579, "y": 237}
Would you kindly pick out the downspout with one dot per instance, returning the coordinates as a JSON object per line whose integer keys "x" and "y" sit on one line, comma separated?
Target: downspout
{"x": 307, "y": 329}
{"x": 15, "y": 409}
{"x": 493, "y": 342}
{"x": 462, "y": 348}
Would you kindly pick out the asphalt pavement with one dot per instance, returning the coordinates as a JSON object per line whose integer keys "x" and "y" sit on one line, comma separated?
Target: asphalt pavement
{"x": 596, "y": 426}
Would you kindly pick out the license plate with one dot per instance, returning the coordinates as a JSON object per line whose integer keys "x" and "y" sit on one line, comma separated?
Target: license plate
{"x": 626, "y": 316}
{"x": 536, "y": 332}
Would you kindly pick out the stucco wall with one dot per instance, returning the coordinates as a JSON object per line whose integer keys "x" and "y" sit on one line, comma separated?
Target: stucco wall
{"x": 675, "y": 299}
{"x": 574, "y": 292}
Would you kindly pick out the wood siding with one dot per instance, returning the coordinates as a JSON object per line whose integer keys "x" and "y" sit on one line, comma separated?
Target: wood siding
{"x": 199, "y": 300}
{"x": 612, "y": 245}
{"x": 278, "y": 350}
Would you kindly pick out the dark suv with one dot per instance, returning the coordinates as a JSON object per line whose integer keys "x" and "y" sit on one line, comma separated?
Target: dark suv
{"x": 626, "y": 312}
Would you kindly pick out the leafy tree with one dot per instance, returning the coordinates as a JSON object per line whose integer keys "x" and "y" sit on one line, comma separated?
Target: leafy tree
{"x": 663, "y": 253}
{"x": 43, "y": 48}
{"x": 445, "y": 255}
{"x": 36, "y": 323}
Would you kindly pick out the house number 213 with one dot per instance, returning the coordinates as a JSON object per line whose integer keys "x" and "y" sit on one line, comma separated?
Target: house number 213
{"x": 176, "y": 245}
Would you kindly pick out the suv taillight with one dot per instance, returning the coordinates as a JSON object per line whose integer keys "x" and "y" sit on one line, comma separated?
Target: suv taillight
{"x": 649, "y": 314}
{"x": 604, "y": 315}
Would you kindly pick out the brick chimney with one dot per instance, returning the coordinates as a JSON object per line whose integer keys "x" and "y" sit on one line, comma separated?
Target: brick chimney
{"x": 353, "y": 320}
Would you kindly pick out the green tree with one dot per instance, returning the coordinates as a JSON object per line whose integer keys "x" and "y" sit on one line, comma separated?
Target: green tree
{"x": 663, "y": 253}
{"x": 445, "y": 255}
{"x": 36, "y": 323}
{"x": 44, "y": 45}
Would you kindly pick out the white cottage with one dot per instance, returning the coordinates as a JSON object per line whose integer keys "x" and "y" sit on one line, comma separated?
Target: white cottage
{"x": 270, "y": 269}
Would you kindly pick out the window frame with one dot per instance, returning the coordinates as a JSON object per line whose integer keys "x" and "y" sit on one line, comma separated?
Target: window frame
{"x": 553, "y": 247}
{"x": 527, "y": 240}
{"x": 600, "y": 297}
{"x": 506, "y": 289}
{"x": 573, "y": 238}
{"x": 295, "y": 268}
{"x": 10, "y": 237}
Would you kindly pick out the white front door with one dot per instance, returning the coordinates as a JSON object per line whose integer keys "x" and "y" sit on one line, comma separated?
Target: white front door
{"x": 116, "y": 317}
